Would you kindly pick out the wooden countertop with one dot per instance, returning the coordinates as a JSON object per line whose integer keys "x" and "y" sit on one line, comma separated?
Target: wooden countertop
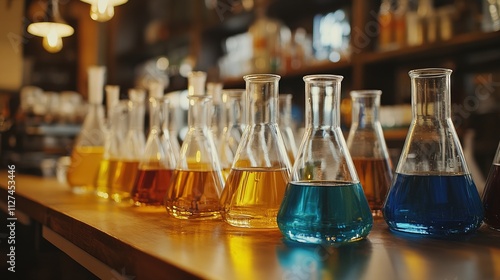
{"x": 144, "y": 244}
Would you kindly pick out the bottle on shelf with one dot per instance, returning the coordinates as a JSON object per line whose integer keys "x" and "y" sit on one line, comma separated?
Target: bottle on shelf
{"x": 324, "y": 201}
{"x": 432, "y": 192}
{"x": 491, "y": 194}
{"x": 385, "y": 20}
{"x": 261, "y": 169}
{"x": 89, "y": 145}
{"x": 368, "y": 149}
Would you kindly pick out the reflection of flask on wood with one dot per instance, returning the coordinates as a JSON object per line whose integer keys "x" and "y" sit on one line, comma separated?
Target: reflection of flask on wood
{"x": 89, "y": 145}
{"x": 491, "y": 195}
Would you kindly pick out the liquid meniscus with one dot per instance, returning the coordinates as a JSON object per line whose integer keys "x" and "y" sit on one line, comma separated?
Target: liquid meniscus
{"x": 375, "y": 176}
{"x": 194, "y": 195}
{"x": 324, "y": 213}
{"x": 151, "y": 186}
{"x": 433, "y": 204}
{"x": 491, "y": 198}
{"x": 84, "y": 167}
{"x": 252, "y": 197}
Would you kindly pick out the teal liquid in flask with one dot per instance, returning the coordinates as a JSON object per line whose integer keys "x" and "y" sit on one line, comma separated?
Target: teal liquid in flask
{"x": 432, "y": 192}
{"x": 324, "y": 202}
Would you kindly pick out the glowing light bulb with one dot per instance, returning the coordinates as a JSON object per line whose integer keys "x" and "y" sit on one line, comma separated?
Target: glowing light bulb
{"x": 52, "y": 42}
{"x": 102, "y": 10}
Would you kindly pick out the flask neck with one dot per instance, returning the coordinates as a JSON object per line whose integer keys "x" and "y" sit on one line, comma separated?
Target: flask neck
{"x": 136, "y": 116}
{"x": 262, "y": 98}
{"x": 431, "y": 94}
{"x": 155, "y": 114}
{"x": 198, "y": 113}
{"x": 323, "y": 101}
{"x": 285, "y": 105}
{"x": 365, "y": 108}
{"x": 235, "y": 111}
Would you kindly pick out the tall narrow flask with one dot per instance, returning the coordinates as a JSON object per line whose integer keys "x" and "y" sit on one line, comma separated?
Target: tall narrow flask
{"x": 217, "y": 125}
{"x": 169, "y": 126}
{"x": 491, "y": 194}
{"x": 158, "y": 162}
{"x": 89, "y": 145}
{"x": 261, "y": 168}
{"x": 324, "y": 202}
{"x": 368, "y": 150}
{"x": 195, "y": 188}
{"x": 131, "y": 150}
{"x": 285, "y": 124}
{"x": 432, "y": 191}
{"x": 234, "y": 113}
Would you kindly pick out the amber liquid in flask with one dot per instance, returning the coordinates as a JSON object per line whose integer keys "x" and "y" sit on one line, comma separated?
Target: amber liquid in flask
{"x": 432, "y": 192}
{"x": 368, "y": 150}
{"x": 491, "y": 194}
{"x": 324, "y": 202}
{"x": 89, "y": 145}
{"x": 261, "y": 170}
{"x": 196, "y": 185}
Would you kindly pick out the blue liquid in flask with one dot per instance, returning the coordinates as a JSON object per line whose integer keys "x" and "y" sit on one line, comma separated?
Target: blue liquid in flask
{"x": 324, "y": 213}
{"x": 433, "y": 204}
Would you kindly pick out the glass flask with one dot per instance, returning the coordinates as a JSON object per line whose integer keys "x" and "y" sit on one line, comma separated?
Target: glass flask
{"x": 432, "y": 191}
{"x": 131, "y": 150}
{"x": 169, "y": 127}
{"x": 368, "y": 150}
{"x": 261, "y": 169}
{"x": 89, "y": 145}
{"x": 217, "y": 125}
{"x": 234, "y": 113}
{"x": 117, "y": 127}
{"x": 324, "y": 202}
{"x": 491, "y": 194}
{"x": 196, "y": 185}
{"x": 285, "y": 124}
{"x": 158, "y": 162}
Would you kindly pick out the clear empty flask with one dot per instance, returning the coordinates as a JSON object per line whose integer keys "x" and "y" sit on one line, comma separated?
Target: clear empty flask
{"x": 324, "y": 202}
{"x": 432, "y": 191}
{"x": 491, "y": 194}
{"x": 285, "y": 124}
{"x": 368, "y": 150}
{"x": 88, "y": 149}
{"x": 234, "y": 113}
{"x": 196, "y": 186}
{"x": 158, "y": 162}
{"x": 261, "y": 168}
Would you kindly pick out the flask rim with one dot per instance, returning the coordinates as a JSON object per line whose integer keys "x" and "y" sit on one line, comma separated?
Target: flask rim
{"x": 429, "y": 72}
{"x": 325, "y": 78}
{"x": 261, "y": 77}
{"x": 365, "y": 92}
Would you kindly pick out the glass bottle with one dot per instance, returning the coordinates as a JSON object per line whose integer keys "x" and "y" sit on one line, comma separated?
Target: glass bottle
{"x": 285, "y": 124}
{"x": 158, "y": 162}
{"x": 89, "y": 145}
{"x": 196, "y": 185}
{"x": 261, "y": 168}
{"x": 385, "y": 19}
{"x": 234, "y": 113}
{"x": 491, "y": 194}
{"x": 116, "y": 123}
{"x": 324, "y": 202}
{"x": 368, "y": 150}
{"x": 432, "y": 191}
{"x": 131, "y": 150}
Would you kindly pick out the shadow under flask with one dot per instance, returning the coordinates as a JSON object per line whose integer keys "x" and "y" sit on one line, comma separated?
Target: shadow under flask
{"x": 196, "y": 186}
{"x": 234, "y": 114}
{"x": 491, "y": 194}
{"x": 432, "y": 192}
{"x": 158, "y": 162}
{"x": 261, "y": 168}
{"x": 285, "y": 124}
{"x": 88, "y": 149}
{"x": 368, "y": 150}
{"x": 324, "y": 202}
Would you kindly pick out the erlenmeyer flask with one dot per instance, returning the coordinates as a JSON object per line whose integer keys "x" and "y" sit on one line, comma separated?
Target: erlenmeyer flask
{"x": 217, "y": 125}
{"x": 285, "y": 124}
{"x": 132, "y": 148}
{"x": 261, "y": 168}
{"x": 89, "y": 145}
{"x": 158, "y": 162}
{"x": 324, "y": 202}
{"x": 432, "y": 191}
{"x": 195, "y": 188}
{"x": 169, "y": 126}
{"x": 368, "y": 150}
{"x": 234, "y": 113}
{"x": 491, "y": 194}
